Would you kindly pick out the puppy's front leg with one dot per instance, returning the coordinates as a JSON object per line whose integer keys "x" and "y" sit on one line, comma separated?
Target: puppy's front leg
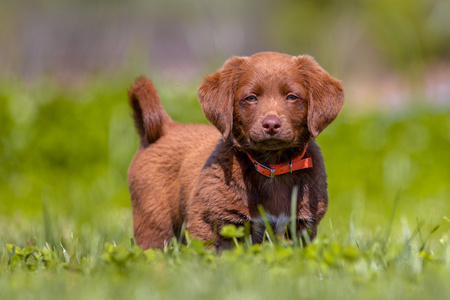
{"x": 199, "y": 227}
{"x": 215, "y": 202}
{"x": 207, "y": 224}
{"x": 207, "y": 232}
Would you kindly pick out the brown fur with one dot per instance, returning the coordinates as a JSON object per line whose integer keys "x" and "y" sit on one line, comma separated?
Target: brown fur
{"x": 201, "y": 176}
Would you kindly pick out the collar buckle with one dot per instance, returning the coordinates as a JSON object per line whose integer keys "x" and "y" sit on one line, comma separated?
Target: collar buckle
{"x": 272, "y": 171}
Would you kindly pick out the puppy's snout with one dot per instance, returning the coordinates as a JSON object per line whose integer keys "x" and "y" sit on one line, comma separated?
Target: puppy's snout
{"x": 271, "y": 125}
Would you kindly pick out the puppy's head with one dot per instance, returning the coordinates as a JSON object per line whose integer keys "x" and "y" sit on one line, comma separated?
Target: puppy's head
{"x": 271, "y": 101}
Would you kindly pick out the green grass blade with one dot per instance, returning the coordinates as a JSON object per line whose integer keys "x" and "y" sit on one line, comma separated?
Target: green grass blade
{"x": 269, "y": 230}
{"x": 293, "y": 223}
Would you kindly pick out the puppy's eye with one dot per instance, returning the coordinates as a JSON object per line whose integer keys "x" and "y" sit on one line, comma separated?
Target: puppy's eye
{"x": 291, "y": 97}
{"x": 251, "y": 99}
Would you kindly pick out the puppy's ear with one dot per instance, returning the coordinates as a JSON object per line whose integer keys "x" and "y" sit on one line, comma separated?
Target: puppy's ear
{"x": 216, "y": 95}
{"x": 325, "y": 94}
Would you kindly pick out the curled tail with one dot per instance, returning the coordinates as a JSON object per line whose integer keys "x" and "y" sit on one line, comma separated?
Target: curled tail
{"x": 148, "y": 114}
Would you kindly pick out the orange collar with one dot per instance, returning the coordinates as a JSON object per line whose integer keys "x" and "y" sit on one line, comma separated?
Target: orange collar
{"x": 295, "y": 164}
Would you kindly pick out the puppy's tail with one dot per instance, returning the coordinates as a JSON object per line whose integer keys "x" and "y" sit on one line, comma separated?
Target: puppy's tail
{"x": 148, "y": 114}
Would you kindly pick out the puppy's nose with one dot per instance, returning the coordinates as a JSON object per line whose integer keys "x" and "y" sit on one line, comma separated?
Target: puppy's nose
{"x": 271, "y": 125}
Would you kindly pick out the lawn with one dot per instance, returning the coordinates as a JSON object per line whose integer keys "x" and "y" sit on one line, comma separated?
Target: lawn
{"x": 66, "y": 224}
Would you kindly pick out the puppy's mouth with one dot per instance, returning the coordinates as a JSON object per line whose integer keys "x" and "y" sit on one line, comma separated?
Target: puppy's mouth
{"x": 270, "y": 144}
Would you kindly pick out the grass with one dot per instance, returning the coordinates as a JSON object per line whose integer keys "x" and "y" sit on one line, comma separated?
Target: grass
{"x": 65, "y": 216}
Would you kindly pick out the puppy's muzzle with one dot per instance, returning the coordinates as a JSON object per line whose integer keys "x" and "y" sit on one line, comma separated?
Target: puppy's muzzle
{"x": 271, "y": 125}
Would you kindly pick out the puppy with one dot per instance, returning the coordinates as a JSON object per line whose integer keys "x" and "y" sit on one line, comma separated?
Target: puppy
{"x": 267, "y": 110}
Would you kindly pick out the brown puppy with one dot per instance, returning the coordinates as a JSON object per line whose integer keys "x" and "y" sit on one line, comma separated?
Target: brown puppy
{"x": 268, "y": 109}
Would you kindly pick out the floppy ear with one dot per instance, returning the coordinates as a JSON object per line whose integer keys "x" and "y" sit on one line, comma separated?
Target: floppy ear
{"x": 325, "y": 94}
{"x": 216, "y": 95}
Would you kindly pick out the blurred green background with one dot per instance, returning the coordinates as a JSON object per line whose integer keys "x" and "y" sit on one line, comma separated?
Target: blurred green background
{"x": 66, "y": 135}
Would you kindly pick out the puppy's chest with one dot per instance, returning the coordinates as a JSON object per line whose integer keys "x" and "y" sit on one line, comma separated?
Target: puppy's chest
{"x": 276, "y": 200}
{"x": 278, "y": 223}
